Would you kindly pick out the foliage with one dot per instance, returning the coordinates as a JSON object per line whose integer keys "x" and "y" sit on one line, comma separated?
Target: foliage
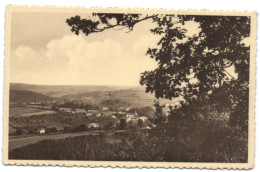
{"x": 114, "y": 102}
{"x": 53, "y": 130}
{"x": 173, "y": 142}
{"x": 123, "y": 124}
{"x": 144, "y": 111}
{"x": 19, "y": 132}
{"x": 189, "y": 66}
{"x": 27, "y": 96}
{"x": 80, "y": 128}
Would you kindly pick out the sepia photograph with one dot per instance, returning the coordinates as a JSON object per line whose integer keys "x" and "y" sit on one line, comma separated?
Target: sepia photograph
{"x": 118, "y": 86}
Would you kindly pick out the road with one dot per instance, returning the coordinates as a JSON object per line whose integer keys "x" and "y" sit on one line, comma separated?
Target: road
{"x": 19, "y": 142}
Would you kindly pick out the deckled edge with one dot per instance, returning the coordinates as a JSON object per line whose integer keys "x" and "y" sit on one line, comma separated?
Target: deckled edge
{"x": 131, "y": 164}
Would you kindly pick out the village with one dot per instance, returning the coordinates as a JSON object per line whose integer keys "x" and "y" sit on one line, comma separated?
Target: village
{"x": 75, "y": 116}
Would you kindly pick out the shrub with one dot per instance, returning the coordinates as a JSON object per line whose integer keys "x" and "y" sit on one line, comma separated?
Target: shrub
{"x": 19, "y": 132}
{"x": 80, "y": 128}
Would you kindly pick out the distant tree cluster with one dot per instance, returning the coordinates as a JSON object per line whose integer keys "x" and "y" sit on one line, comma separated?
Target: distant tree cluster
{"x": 74, "y": 105}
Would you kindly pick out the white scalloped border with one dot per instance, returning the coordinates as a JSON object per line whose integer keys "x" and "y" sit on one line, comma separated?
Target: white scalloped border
{"x": 132, "y": 164}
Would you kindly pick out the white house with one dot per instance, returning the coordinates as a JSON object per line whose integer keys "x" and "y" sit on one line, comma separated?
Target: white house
{"x": 114, "y": 117}
{"x": 128, "y": 109}
{"x": 105, "y": 109}
{"x": 88, "y": 114}
{"x": 143, "y": 118}
{"x": 131, "y": 115}
{"x": 93, "y": 125}
{"x": 41, "y": 131}
{"x": 80, "y": 110}
{"x": 98, "y": 115}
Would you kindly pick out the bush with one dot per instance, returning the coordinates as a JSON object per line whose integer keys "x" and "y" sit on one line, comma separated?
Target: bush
{"x": 80, "y": 128}
{"x": 19, "y": 132}
{"x": 123, "y": 124}
{"x": 52, "y": 130}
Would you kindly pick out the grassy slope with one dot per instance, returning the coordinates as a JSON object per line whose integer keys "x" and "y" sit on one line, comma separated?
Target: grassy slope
{"x": 27, "y": 96}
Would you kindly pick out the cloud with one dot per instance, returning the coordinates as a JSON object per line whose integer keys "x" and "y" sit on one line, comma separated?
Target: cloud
{"x": 75, "y": 60}
{"x": 76, "y": 51}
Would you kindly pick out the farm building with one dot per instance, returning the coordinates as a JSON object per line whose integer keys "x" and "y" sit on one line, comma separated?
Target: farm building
{"x": 143, "y": 121}
{"x": 121, "y": 114}
{"x": 93, "y": 125}
{"x": 81, "y": 111}
{"x": 105, "y": 109}
{"x": 148, "y": 128}
{"x": 131, "y": 115}
{"x": 127, "y": 109}
{"x": 143, "y": 118}
{"x": 89, "y": 114}
{"x": 99, "y": 115}
{"x": 41, "y": 130}
{"x": 113, "y": 116}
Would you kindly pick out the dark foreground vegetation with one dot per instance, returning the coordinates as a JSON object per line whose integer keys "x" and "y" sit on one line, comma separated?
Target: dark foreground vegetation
{"x": 190, "y": 138}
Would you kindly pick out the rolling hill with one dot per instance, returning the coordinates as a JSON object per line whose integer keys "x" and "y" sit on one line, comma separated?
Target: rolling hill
{"x": 27, "y": 96}
{"x": 62, "y": 90}
{"x": 91, "y": 94}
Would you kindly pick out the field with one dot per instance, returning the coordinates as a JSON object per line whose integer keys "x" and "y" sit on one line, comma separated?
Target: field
{"x": 59, "y": 120}
{"x": 28, "y": 111}
{"x": 15, "y": 142}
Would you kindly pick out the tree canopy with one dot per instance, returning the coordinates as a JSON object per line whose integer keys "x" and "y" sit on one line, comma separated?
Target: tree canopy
{"x": 188, "y": 66}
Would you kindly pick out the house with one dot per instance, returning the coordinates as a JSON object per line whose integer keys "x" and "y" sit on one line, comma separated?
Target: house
{"x": 105, "y": 109}
{"x": 93, "y": 111}
{"x": 127, "y": 109}
{"x": 132, "y": 115}
{"x": 143, "y": 118}
{"x": 93, "y": 125}
{"x": 147, "y": 128}
{"x": 99, "y": 115}
{"x": 81, "y": 111}
{"x": 41, "y": 130}
{"x": 113, "y": 116}
{"x": 88, "y": 114}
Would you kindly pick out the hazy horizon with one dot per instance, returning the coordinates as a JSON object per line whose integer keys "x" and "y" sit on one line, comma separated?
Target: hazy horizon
{"x": 75, "y": 84}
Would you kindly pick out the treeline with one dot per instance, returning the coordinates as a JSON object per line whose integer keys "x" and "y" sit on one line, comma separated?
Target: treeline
{"x": 74, "y": 105}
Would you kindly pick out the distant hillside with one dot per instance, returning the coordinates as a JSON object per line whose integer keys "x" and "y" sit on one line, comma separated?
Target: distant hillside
{"x": 27, "y": 96}
{"x": 62, "y": 90}
{"x": 134, "y": 96}
{"x": 91, "y": 94}
{"x": 115, "y": 103}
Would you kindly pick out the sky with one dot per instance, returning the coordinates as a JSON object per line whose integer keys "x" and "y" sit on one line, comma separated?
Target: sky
{"x": 45, "y": 51}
